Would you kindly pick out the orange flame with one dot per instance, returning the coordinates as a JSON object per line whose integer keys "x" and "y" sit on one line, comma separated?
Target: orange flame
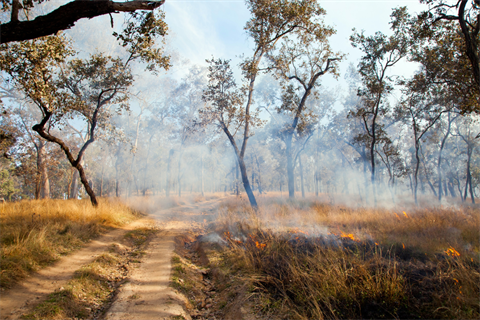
{"x": 398, "y": 217}
{"x": 403, "y": 246}
{"x": 260, "y": 245}
{"x": 349, "y": 236}
{"x": 452, "y": 252}
{"x": 405, "y": 214}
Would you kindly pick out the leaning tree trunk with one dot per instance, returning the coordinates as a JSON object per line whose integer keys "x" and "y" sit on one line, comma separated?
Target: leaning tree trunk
{"x": 246, "y": 183}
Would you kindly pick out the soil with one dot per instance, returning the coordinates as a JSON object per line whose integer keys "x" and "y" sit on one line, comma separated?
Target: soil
{"x": 146, "y": 294}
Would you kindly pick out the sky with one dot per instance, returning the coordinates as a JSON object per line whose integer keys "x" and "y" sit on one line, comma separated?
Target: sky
{"x": 200, "y": 29}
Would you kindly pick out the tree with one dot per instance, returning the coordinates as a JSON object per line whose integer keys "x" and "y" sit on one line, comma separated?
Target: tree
{"x": 468, "y": 132}
{"x": 467, "y": 14}
{"x": 303, "y": 62}
{"x": 81, "y": 88}
{"x": 272, "y": 20}
{"x": 380, "y": 54}
{"x": 421, "y": 111}
{"x": 63, "y": 17}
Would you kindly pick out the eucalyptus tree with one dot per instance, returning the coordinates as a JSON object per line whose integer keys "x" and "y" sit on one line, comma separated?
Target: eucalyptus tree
{"x": 90, "y": 90}
{"x": 272, "y": 21}
{"x": 421, "y": 111}
{"x": 299, "y": 63}
{"x": 467, "y": 129}
{"x": 381, "y": 53}
{"x": 466, "y": 15}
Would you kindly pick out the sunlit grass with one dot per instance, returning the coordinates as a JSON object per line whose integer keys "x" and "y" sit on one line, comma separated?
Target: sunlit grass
{"x": 35, "y": 233}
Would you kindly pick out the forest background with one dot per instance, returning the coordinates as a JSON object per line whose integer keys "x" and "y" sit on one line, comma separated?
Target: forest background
{"x": 396, "y": 115}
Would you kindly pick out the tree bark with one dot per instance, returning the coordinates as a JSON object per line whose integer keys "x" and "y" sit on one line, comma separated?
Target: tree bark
{"x": 74, "y": 186}
{"x": 42, "y": 166}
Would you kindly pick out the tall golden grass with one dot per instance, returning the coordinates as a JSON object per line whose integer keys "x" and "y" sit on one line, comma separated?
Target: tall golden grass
{"x": 311, "y": 260}
{"x": 34, "y": 233}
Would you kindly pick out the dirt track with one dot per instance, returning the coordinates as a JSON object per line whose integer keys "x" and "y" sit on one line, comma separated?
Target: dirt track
{"x": 146, "y": 295}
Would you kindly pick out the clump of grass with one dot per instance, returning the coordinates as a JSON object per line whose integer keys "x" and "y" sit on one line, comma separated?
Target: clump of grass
{"x": 35, "y": 233}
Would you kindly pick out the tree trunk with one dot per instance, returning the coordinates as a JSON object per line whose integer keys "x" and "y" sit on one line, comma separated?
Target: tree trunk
{"x": 237, "y": 189}
{"x": 439, "y": 163}
{"x": 469, "y": 175}
{"x": 246, "y": 183}
{"x": 415, "y": 176}
{"x": 290, "y": 167}
{"x": 74, "y": 188}
{"x": 42, "y": 167}
{"x": 301, "y": 175}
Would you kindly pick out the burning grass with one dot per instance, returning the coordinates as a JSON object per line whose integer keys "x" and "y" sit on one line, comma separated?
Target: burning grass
{"x": 35, "y": 233}
{"x": 310, "y": 260}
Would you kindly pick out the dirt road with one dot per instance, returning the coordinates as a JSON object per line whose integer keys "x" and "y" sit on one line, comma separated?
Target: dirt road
{"x": 146, "y": 295}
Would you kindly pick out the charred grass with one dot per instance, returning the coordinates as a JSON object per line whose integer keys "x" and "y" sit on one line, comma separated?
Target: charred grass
{"x": 309, "y": 260}
{"x": 90, "y": 292}
{"x": 35, "y": 233}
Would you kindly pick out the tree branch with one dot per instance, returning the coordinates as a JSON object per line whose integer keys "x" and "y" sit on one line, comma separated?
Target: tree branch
{"x": 65, "y": 17}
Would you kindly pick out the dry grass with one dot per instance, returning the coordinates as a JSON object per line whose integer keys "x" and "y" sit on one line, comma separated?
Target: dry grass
{"x": 309, "y": 260}
{"x": 35, "y": 233}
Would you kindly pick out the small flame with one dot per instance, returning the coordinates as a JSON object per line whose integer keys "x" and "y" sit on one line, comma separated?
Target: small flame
{"x": 398, "y": 217}
{"x": 405, "y": 214}
{"x": 403, "y": 246}
{"x": 349, "y": 236}
{"x": 452, "y": 252}
{"x": 260, "y": 245}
